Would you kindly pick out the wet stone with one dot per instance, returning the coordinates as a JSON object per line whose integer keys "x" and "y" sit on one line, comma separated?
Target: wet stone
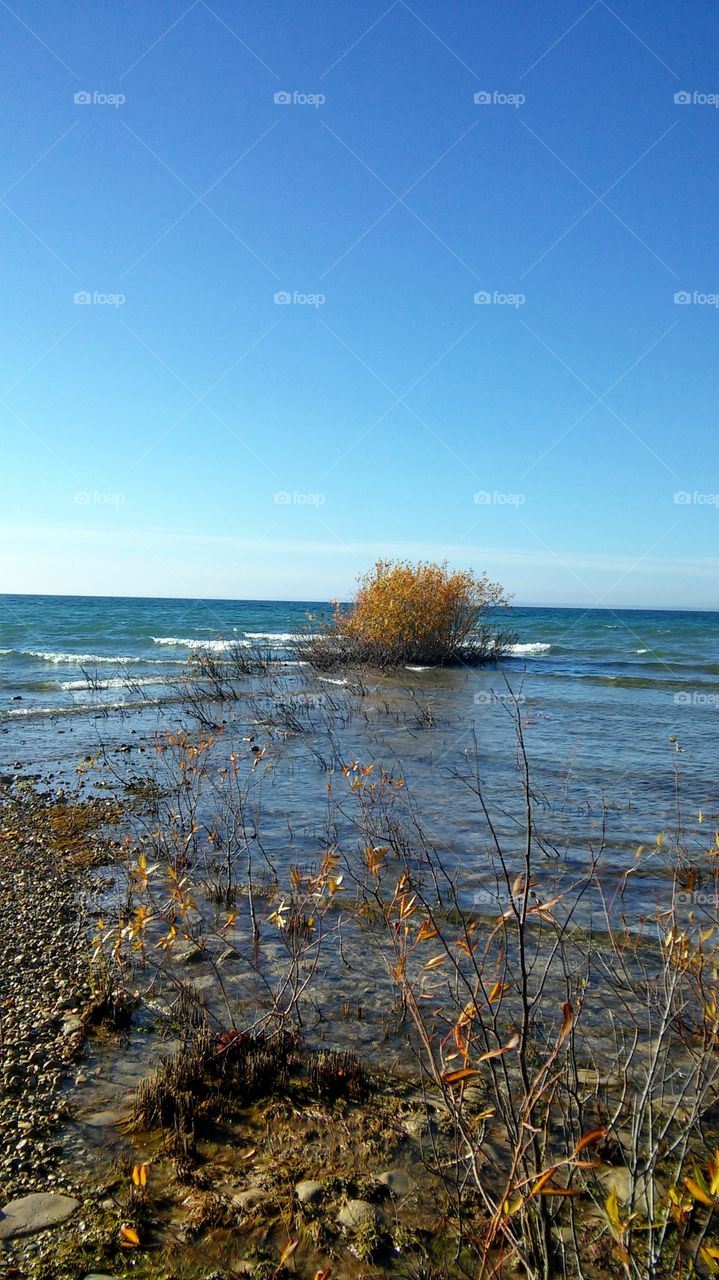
{"x": 35, "y": 1212}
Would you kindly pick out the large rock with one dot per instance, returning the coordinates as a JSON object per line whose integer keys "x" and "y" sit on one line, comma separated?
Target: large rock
{"x": 309, "y": 1191}
{"x": 357, "y": 1214}
{"x": 35, "y": 1213}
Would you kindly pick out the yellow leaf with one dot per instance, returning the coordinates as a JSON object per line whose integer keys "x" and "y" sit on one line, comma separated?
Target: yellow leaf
{"x": 710, "y": 1256}
{"x": 700, "y": 1194}
{"x": 130, "y": 1239}
{"x": 611, "y": 1208}
{"x": 139, "y": 1175}
{"x": 288, "y": 1251}
{"x": 435, "y": 961}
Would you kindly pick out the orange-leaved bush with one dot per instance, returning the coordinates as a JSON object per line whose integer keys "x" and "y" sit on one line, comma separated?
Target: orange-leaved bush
{"x": 404, "y": 613}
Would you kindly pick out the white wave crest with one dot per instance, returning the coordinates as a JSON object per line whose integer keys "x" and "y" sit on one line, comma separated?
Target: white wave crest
{"x": 186, "y": 642}
{"x": 536, "y": 647}
{"x": 281, "y": 636}
{"x": 82, "y": 659}
{"x": 117, "y": 682}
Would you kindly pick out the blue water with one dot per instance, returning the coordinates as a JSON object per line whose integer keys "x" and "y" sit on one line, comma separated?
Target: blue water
{"x": 49, "y": 643}
{"x": 612, "y": 703}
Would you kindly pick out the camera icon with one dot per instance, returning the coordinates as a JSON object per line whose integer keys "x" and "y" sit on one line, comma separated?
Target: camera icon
{"x": 282, "y": 298}
{"x": 482, "y": 698}
{"x": 682, "y": 699}
{"x": 682, "y": 298}
{"x": 81, "y": 98}
{"x": 482, "y": 98}
{"x": 682, "y": 98}
{"x": 482, "y": 299}
{"x": 282, "y": 97}
{"x": 82, "y": 297}
{"x": 282, "y": 498}
{"x": 682, "y": 498}
{"x": 82, "y": 498}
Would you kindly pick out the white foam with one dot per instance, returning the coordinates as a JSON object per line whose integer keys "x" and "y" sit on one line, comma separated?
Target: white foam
{"x": 332, "y": 680}
{"x": 281, "y": 636}
{"x": 518, "y": 649}
{"x": 116, "y": 682}
{"x": 44, "y": 712}
{"x": 186, "y": 642}
{"x": 81, "y": 659}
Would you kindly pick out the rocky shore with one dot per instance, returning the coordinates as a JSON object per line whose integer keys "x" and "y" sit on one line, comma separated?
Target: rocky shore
{"x": 46, "y": 853}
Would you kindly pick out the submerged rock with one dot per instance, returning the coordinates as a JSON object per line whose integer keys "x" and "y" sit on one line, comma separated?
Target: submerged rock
{"x": 397, "y": 1180}
{"x": 35, "y": 1212}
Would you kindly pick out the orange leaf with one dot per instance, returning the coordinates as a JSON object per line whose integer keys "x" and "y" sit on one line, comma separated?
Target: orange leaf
{"x": 436, "y": 961}
{"x": 497, "y": 991}
{"x": 130, "y": 1238}
{"x": 542, "y": 1180}
{"x": 426, "y": 930}
{"x": 567, "y": 1021}
{"x": 588, "y": 1138}
{"x": 454, "y": 1077}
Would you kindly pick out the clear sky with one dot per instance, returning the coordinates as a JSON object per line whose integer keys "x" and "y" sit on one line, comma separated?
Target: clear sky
{"x": 186, "y": 433}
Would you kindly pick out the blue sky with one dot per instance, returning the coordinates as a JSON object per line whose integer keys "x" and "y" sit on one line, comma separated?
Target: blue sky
{"x": 186, "y": 433}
